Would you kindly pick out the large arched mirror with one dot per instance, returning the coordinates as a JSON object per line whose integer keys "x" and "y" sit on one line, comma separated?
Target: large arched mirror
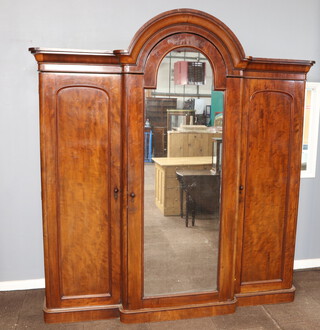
{"x": 182, "y": 176}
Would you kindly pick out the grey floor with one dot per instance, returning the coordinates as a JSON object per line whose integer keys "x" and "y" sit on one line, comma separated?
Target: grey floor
{"x": 179, "y": 259}
{"x": 23, "y": 310}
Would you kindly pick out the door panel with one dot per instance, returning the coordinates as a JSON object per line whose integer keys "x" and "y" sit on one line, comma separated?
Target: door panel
{"x": 269, "y": 140}
{"x": 85, "y": 138}
{"x": 84, "y": 186}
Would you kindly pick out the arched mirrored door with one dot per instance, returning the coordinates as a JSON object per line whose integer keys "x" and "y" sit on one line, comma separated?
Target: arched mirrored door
{"x": 182, "y": 176}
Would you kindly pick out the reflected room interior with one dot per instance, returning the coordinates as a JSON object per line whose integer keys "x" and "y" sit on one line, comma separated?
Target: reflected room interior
{"x": 182, "y": 176}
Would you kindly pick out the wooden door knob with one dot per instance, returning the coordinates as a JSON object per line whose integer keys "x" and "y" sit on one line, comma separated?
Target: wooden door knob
{"x": 115, "y": 192}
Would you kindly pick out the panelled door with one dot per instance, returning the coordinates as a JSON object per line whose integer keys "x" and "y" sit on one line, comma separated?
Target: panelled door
{"x": 270, "y": 173}
{"x": 81, "y": 153}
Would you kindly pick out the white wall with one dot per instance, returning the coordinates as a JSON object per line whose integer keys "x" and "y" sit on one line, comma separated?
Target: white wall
{"x": 279, "y": 29}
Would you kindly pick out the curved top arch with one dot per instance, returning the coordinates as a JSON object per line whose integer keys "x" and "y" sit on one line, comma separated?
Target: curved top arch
{"x": 165, "y": 25}
{"x": 183, "y": 20}
{"x": 184, "y": 40}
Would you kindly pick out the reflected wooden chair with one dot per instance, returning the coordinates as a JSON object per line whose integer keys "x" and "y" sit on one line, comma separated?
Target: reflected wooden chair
{"x": 201, "y": 189}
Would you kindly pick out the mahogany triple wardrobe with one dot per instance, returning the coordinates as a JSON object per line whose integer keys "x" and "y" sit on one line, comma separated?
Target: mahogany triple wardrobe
{"x": 98, "y": 214}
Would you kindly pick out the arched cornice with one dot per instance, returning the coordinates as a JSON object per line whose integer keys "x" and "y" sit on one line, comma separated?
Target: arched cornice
{"x": 181, "y": 21}
{"x": 164, "y": 26}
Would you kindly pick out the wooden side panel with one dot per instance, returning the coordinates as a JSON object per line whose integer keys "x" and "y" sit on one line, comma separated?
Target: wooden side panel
{"x": 81, "y": 155}
{"x": 84, "y": 190}
{"x": 270, "y": 142}
{"x": 229, "y": 188}
{"x": 134, "y": 185}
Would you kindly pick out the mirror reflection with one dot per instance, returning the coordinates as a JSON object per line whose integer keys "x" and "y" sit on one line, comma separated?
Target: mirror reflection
{"x": 182, "y": 157}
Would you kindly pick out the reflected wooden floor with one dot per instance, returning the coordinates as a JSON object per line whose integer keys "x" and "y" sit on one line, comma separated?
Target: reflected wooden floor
{"x": 177, "y": 259}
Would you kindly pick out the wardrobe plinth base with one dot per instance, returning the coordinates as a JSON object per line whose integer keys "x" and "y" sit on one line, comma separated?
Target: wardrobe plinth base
{"x": 177, "y": 313}
{"x": 81, "y": 314}
{"x": 66, "y": 315}
{"x": 267, "y": 297}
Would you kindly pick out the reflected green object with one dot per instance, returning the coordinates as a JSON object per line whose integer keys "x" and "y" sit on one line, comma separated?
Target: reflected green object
{"x": 216, "y": 104}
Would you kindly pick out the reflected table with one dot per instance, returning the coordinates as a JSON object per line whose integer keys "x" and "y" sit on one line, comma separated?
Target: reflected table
{"x": 202, "y": 191}
{"x": 166, "y": 183}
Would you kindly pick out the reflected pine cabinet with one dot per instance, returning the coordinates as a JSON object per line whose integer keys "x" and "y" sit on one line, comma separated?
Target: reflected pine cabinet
{"x": 92, "y": 133}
